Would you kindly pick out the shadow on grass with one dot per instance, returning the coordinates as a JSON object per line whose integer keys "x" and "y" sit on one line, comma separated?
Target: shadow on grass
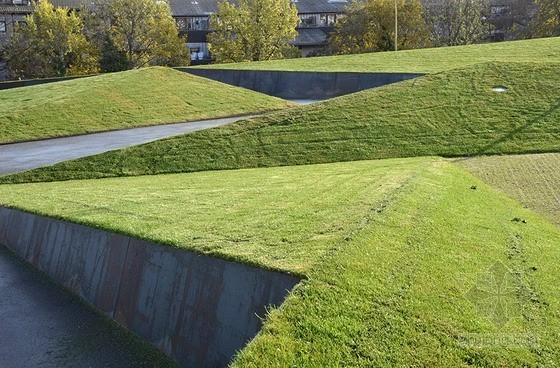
{"x": 488, "y": 148}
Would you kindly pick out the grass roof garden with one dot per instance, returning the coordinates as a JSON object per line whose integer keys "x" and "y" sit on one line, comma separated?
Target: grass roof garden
{"x": 533, "y": 180}
{"x": 431, "y": 60}
{"x": 404, "y": 261}
{"x": 257, "y": 216}
{"x": 149, "y": 96}
{"x": 397, "y": 256}
{"x": 454, "y": 113}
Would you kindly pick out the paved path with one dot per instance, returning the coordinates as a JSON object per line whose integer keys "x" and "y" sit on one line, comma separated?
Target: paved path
{"x": 30, "y": 155}
{"x": 305, "y": 102}
{"x": 41, "y": 325}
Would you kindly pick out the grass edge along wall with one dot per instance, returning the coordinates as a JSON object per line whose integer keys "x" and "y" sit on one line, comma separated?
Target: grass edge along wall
{"x": 396, "y": 284}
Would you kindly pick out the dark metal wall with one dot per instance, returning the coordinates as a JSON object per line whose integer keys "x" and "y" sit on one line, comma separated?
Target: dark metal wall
{"x": 33, "y": 82}
{"x": 197, "y": 309}
{"x": 301, "y": 85}
{"x": 288, "y": 85}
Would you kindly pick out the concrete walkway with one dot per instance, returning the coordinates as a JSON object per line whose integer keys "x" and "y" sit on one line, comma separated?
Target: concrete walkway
{"x": 41, "y": 325}
{"x": 30, "y": 155}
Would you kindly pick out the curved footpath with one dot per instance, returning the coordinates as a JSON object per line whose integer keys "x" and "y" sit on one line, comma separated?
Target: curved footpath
{"x": 24, "y": 156}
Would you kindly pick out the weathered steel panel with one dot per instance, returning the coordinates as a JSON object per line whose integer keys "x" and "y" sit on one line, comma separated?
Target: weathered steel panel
{"x": 301, "y": 85}
{"x": 197, "y": 309}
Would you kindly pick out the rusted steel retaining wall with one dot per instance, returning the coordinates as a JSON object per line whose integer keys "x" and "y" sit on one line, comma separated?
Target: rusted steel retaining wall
{"x": 197, "y": 309}
{"x": 301, "y": 85}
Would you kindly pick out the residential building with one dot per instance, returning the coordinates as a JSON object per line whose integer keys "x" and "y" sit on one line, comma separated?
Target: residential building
{"x": 11, "y": 13}
{"x": 317, "y": 19}
{"x": 510, "y": 19}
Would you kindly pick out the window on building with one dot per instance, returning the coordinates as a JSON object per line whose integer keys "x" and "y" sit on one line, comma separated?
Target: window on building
{"x": 317, "y": 20}
{"x": 181, "y": 23}
{"x": 199, "y": 51}
{"x": 308, "y": 20}
{"x": 2, "y": 26}
{"x": 193, "y": 23}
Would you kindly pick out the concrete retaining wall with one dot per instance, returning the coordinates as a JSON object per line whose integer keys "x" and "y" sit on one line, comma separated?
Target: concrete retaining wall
{"x": 197, "y": 309}
{"x": 301, "y": 85}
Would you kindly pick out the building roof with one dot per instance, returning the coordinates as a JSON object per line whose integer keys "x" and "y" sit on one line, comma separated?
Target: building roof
{"x": 310, "y": 37}
{"x": 72, "y": 4}
{"x": 24, "y": 9}
{"x": 15, "y": 9}
{"x": 195, "y": 7}
{"x": 207, "y": 7}
{"x": 320, "y": 6}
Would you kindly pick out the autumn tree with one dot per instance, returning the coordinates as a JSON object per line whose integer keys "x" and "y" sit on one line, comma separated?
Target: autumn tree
{"x": 459, "y": 22}
{"x": 253, "y": 30}
{"x": 547, "y": 20}
{"x": 369, "y": 26}
{"x": 140, "y": 32}
{"x": 49, "y": 43}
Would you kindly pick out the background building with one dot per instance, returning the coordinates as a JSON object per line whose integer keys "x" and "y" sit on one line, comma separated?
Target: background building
{"x": 317, "y": 18}
{"x": 510, "y": 19}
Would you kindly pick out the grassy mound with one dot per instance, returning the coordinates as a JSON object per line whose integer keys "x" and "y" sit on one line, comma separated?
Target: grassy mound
{"x": 405, "y": 263}
{"x": 134, "y": 98}
{"x": 448, "y": 114}
{"x": 416, "y": 61}
{"x": 441, "y": 277}
{"x": 533, "y": 180}
{"x": 256, "y": 216}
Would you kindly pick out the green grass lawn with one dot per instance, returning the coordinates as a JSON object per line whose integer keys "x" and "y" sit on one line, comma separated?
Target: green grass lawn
{"x": 128, "y": 99}
{"x": 441, "y": 277}
{"x": 403, "y": 262}
{"x": 415, "y": 61}
{"x": 533, "y": 180}
{"x": 454, "y": 113}
{"x": 257, "y": 216}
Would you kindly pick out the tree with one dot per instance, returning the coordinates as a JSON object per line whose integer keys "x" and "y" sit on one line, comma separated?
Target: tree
{"x": 369, "y": 26}
{"x": 254, "y": 30}
{"x": 141, "y": 31}
{"x": 520, "y": 20}
{"x": 459, "y": 22}
{"x": 547, "y": 21}
{"x": 49, "y": 43}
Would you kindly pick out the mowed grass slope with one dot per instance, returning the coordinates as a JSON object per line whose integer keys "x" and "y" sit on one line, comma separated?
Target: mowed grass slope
{"x": 454, "y": 113}
{"x": 128, "y": 99}
{"x": 282, "y": 218}
{"x": 440, "y": 277}
{"x": 399, "y": 257}
{"x": 415, "y": 61}
{"x": 533, "y": 180}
